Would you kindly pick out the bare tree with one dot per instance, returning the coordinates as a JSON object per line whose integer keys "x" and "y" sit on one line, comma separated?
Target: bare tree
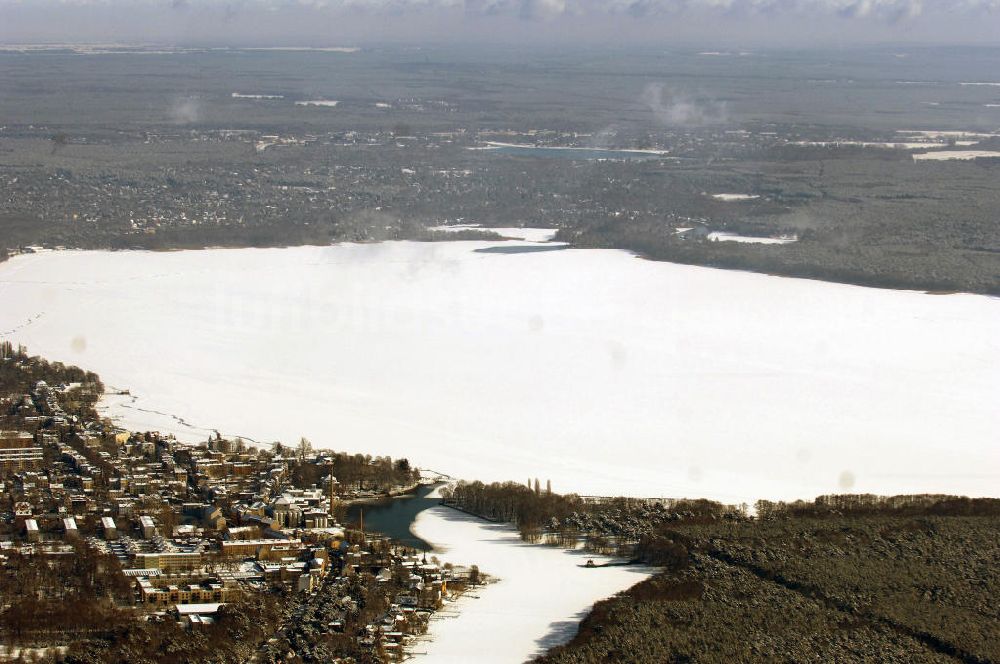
{"x": 305, "y": 447}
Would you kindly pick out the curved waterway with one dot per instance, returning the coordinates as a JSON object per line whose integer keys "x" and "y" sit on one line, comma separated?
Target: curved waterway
{"x": 494, "y": 620}
{"x": 394, "y": 517}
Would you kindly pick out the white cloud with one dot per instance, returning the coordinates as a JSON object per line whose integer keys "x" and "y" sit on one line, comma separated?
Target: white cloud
{"x": 769, "y": 22}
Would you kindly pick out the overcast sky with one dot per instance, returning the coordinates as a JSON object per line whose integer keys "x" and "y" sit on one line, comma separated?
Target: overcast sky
{"x": 350, "y": 22}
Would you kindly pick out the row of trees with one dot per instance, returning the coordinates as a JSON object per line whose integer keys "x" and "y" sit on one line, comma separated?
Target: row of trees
{"x": 529, "y": 509}
{"x": 870, "y": 504}
{"x": 566, "y": 519}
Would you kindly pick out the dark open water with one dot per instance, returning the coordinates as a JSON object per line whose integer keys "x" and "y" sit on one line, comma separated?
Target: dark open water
{"x": 395, "y": 516}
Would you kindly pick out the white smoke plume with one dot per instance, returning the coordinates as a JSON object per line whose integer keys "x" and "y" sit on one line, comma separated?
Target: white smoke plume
{"x": 678, "y": 109}
{"x": 185, "y": 111}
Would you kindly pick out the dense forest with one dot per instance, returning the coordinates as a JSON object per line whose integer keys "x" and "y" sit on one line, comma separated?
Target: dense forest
{"x": 73, "y": 593}
{"x": 847, "y": 579}
{"x": 240, "y": 628}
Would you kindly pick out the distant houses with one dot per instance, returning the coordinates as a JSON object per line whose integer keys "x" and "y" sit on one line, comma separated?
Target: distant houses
{"x": 194, "y": 527}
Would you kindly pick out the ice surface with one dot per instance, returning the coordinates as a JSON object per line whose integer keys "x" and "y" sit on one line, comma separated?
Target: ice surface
{"x": 606, "y": 373}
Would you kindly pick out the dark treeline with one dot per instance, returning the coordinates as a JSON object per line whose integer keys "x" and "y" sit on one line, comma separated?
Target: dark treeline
{"x": 511, "y": 502}
{"x": 813, "y": 257}
{"x": 604, "y": 524}
{"x": 870, "y": 504}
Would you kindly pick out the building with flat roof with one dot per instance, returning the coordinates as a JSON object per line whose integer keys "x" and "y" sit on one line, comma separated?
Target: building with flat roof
{"x": 188, "y": 594}
{"x": 174, "y": 561}
{"x": 31, "y": 530}
{"x": 148, "y": 527}
{"x": 18, "y": 451}
{"x": 261, "y": 548}
{"x": 110, "y": 530}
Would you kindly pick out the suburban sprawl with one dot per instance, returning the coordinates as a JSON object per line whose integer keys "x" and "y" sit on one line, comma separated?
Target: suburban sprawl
{"x": 136, "y": 548}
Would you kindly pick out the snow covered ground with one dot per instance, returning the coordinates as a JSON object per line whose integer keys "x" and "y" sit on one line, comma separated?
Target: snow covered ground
{"x": 493, "y": 145}
{"x": 239, "y": 95}
{"x": 541, "y": 595}
{"x": 735, "y": 198}
{"x": 606, "y": 373}
{"x": 947, "y": 134}
{"x": 874, "y": 144}
{"x": 959, "y": 155}
{"x": 719, "y": 236}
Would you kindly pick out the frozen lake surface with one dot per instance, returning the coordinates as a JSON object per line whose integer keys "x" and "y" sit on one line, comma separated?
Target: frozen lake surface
{"x": 603, "y": 372}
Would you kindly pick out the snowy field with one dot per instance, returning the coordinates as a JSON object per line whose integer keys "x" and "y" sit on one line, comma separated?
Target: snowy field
{"x": 606, "y": 373}
{"x": 240, "y": 95}
{"x": 541, "y": 595}
{"x": 959, "y": 155}
{"x": 719, "y": 236}
{"x": 873, "y": 144}
{"x": 735, "y": 198}
{"x": 492, "y": 145}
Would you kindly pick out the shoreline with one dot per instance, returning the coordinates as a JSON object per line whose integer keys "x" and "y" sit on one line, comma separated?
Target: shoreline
{"x": 808, "y": 272}
{"x": 493, "y": 145}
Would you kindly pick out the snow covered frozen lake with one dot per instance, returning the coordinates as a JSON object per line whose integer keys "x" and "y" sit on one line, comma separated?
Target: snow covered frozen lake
{"x": 606, "y": 373}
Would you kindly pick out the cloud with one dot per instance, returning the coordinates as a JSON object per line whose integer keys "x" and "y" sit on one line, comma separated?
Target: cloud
{"x": 185, "y": 111}
{"x": 893, "y": 10}
{"x": 678, "y": 109}
{"x": 541, "y": 9}
{"x": 544, "y": 9}
{"x": 315, "y": 22}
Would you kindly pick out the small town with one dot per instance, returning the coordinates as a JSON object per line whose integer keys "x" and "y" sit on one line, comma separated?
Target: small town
{"x": 173, "y": 535}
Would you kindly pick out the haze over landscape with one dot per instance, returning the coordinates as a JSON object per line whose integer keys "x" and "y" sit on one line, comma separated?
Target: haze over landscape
{"x": 759, "y": 23}
{"x": 561, "y": 331}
